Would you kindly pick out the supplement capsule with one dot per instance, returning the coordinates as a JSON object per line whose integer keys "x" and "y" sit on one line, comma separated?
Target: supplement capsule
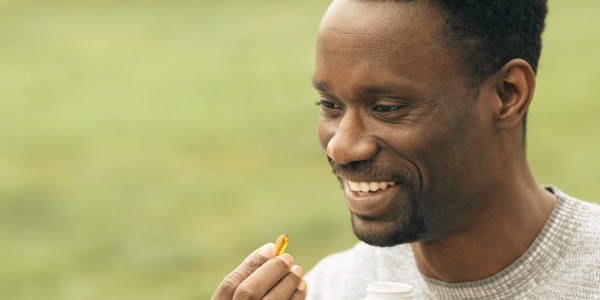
{"x": 280, "y": 244}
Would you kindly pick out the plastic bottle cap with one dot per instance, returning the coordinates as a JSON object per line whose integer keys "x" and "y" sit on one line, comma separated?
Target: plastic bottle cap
{"x": 389, "y": 291}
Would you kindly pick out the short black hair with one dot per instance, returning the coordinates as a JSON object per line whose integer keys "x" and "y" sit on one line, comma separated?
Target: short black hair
{"x": 490, "y": 33}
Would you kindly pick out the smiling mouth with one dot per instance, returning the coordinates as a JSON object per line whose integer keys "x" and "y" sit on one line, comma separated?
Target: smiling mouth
{"x": 369, "y": 188}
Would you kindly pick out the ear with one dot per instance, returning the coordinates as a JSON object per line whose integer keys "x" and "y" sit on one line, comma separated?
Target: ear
{"x": 515, "y": 86}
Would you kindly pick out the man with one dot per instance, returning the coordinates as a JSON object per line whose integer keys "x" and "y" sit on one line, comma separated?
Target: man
{"x": 423, "y": 110}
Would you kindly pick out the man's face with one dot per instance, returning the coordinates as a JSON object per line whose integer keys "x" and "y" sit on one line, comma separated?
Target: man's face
{"x": 396, "y": 108}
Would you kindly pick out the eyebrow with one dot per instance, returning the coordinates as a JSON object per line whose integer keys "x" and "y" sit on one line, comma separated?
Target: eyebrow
{"x": 319, "y": 85}
{"x": 368, "y": 89}
{"x": 373, "y": 90}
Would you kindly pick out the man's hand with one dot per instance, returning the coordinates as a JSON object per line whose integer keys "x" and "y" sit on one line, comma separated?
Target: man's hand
{"x": 264, "y": 276}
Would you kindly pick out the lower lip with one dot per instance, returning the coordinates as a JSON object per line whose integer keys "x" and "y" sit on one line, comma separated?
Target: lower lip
{"x": 373, "y": 204}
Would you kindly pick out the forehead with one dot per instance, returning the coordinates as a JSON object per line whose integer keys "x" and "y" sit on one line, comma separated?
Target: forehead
{"x": 382, "y": 41}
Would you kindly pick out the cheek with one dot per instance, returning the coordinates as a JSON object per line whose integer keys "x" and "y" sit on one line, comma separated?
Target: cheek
{"x": 439, "y": 151}
{"x": 452, "y": 157}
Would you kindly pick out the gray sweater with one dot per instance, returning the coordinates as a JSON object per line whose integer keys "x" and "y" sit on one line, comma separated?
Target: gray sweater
{"x": 562, "y": 263}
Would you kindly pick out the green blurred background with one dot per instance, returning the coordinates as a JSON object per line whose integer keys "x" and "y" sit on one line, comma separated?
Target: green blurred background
{"x": 146, "y": 147}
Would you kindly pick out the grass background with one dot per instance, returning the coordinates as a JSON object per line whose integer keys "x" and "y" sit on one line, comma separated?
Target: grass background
{"x": 146, "y": 147}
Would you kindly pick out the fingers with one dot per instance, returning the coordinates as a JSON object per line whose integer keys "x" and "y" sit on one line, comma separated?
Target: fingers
{"x": 286, "y": 286}
{"x": 229, "y": 285}
{"x": 264, "y": 278}
{"x": 301, "y": 291}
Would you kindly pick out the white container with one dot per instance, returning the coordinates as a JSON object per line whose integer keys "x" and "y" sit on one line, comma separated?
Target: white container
{"x": 389, "y": 291}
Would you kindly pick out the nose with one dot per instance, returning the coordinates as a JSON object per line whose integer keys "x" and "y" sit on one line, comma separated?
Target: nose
{"x": 351, "y": 141}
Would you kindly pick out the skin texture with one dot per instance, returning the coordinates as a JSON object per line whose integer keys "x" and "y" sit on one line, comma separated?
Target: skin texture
{"x": 263, "y": 275}
{"x": 396, "y": 107}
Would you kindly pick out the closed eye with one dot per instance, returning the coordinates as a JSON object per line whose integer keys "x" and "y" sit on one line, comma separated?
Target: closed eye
{"x": 387, "y": 108}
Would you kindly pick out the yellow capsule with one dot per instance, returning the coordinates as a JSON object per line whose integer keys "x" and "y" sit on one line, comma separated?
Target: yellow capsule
{"x": 281, "y": 243}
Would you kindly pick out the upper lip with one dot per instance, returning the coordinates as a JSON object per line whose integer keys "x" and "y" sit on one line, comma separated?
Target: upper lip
{"x": 359, "y": 178}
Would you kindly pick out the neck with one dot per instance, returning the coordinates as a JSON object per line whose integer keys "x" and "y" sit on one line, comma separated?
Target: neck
{"x": 514, "y": 215}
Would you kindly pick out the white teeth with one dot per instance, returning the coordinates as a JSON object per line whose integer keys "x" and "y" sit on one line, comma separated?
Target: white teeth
{"x": 363, "y": 188}
{"x": 355, "y": 186}
{"x": 373, "y": 186}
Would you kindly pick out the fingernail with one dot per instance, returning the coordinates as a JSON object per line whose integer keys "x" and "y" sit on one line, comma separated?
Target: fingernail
{"x": 302, "y": 285}
{"x": 297, "y": 270}
{"x": 268, "y": 250}
{"x": 286, "y": 258}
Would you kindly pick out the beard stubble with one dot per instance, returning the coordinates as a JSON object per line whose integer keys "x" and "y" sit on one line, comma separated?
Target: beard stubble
{"x": 406, "y": 224}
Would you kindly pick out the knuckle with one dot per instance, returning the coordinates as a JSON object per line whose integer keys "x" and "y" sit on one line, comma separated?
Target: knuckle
{"x": 231, "y": 281}
{"x": 254, "y": 263}
{"x": 284, "y": 288}
{"x": 274, "y": 295}
{"x": 247, "y": 291}
{"x": 291, "y": 279}
{"x": 298, "y": 295}
{"x": 282, "y": 266}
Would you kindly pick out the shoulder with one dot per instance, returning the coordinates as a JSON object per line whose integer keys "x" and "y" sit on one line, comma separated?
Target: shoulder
{"x": 584, "y": 214}
{"x": 578, "y": 222}
{"x": 587, "y": 237}
{"x": 577, "y": 273}
{"x": 576, "y": 215}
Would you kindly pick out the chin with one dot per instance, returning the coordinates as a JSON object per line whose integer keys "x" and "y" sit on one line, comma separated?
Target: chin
{"x": 388, "y": 233}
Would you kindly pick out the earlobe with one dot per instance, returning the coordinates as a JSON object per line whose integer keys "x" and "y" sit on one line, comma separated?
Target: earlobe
{"x": 515, "y": 87}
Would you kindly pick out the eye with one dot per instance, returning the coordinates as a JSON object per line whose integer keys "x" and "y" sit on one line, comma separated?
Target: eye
{"x": 328, "y": 105}
{"x": 387, "y": 108}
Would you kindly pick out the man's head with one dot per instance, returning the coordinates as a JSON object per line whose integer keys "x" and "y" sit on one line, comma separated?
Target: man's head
{"x": 421, "y": 94}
